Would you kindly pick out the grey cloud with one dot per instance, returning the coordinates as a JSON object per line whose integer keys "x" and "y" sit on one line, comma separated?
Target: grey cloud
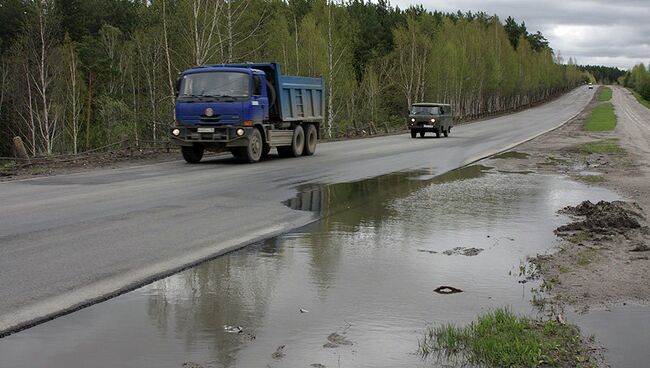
{"x": 592, "y": 31}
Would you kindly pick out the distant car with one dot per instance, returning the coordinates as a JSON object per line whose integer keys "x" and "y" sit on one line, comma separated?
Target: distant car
{"x": 591, "y": 86}
{"x": 430, "y": 117}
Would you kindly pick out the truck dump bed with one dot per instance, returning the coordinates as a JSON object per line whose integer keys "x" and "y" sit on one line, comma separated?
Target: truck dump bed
{"x": 296, "y": 98}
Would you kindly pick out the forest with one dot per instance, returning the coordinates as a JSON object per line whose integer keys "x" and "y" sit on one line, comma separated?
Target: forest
{"x": 76, "y": 75}
{"x": 638, "y": 79}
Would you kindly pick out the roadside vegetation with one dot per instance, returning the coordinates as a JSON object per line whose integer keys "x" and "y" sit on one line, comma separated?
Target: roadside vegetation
{"x": 503, "y": 339}
{"x": 605, "y": 94}
{"x": 638, "y": 80}
{"x": 78, "y": 75}
{"x": 602, "y": 117}
{"x": 604, "y": 146}
{"x": 641, "y": 100}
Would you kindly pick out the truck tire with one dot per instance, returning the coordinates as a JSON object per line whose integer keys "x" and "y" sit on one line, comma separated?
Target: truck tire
{"x": 192, "y": 154}
{"x": 253, "y": 152}
{"x": 446, "y": 132}
{"x": 414, "y": 133}
{"x": 311, "y": 138}
{"x": 297, "y": 144}
{"x": 438, "y": 133}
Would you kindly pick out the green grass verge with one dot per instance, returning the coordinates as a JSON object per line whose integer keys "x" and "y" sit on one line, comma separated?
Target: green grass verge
{"x": 641, "y": 100}
{"x": 605, "y": 94}
{"x": 7, "y": 168}
{"x": 601, "y": 146}
{"x": 601, "y": 119}
{"x": 503, "y": 339}
{"x": 592, "y": 179}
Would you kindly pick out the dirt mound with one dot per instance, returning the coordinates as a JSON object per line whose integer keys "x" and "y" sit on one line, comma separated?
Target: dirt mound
{"x": 604, "y": 217}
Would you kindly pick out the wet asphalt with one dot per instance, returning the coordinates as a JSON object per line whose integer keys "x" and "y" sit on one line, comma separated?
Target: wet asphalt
{"x": 67, "y": 241}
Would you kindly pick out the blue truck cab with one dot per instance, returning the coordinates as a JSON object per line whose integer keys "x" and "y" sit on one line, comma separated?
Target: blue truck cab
{"x": 246, "y": 109}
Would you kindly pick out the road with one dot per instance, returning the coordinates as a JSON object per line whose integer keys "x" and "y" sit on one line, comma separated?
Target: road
{"x": 71, "y": 240}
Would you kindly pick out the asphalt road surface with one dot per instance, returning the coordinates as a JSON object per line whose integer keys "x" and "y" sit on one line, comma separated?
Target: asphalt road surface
{"x": 71, "y": 240}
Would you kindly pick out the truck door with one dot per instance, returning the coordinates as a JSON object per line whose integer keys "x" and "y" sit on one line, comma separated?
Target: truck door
{"x": 260, "y": 101}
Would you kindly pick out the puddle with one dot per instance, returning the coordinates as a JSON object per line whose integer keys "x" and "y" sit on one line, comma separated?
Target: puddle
{"x": 355, "y": 289}
{"x": 624, "y": 330}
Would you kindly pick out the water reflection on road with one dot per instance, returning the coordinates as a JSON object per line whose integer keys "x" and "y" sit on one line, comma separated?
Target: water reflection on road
{"x": 366, "y": 271}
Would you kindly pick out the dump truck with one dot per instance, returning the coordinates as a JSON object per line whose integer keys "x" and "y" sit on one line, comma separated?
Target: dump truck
{"x": 247, "y": 109}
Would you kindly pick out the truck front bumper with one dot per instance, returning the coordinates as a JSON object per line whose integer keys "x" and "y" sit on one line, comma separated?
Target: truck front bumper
{"x": 225, "y": 136}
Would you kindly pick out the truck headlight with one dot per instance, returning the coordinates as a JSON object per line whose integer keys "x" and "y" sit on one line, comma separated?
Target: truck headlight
{"x": 412, "y": 120}
{"x": 433, "y": 120}
{"x": 176, "y": 132}
{"x": 240, "y": 132}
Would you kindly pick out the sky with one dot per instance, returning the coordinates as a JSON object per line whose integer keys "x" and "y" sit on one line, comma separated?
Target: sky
{"x": 600, "y": 32}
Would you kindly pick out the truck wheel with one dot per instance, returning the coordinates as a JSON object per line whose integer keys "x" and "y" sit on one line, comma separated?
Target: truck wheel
{"x": 438, "y": 133}
{"x": 192, "y": 154}
{"x": 422, "y": 133}
{"x": 414, "y": 133}
{"x": 253, "y": 152}
{"x": 311, "y": 138}
{"x": 446, "y": 132}
{"x": 298, "y": 141}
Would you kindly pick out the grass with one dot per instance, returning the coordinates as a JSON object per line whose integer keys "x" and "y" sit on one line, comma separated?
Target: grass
{"x": 7, "y": 168}
{"x": 641, "y": 100}
{"x": 513, "y": 154}
{"x": 579, "y": 237}
{"x": 503, "y": 339}
{"x": 601, "y": 119}
{"x": 591, "y": 178}
{"x": 605, "y": 94}
{"x": 585, "y": 257}
{"x": 602, "y": 146}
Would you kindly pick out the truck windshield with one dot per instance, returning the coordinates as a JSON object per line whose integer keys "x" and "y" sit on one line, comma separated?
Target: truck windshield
{"x": 215, "y": 84}
{"x": 425, "y": 110}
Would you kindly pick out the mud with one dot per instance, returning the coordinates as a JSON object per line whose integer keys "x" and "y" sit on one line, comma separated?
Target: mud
{"x": 610, "y": 218}
{"x": 468, "y": 252}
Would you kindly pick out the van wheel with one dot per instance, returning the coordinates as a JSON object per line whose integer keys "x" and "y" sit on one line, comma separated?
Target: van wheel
{"x": 414, "y": 133}
{"x": 311, "y": 138}
{"x": 422, "y": 133}
{"x": 446, "y": 132}
{"x": 253, "y": 152}
{"x": 438, "y": 133}
{"x": 192, "y": 154}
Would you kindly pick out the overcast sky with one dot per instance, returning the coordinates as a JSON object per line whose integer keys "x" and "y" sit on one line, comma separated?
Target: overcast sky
{"x": 602, "y": 32}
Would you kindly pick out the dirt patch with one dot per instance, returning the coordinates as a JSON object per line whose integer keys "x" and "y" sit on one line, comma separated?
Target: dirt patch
{"x": 468, "y": 252}
{"x": 603, "y": 217}
{"x": 601, "y": 260}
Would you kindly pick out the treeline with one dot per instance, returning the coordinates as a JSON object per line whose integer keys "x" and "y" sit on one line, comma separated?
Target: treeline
{"x": 603, "y": 74}
{"x": 638, "y": 78}
{"x": 78, "y": 74}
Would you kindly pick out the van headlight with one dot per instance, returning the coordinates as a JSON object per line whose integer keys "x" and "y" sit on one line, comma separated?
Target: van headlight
{"x": 412, "y": 120}
{"x": 433, "y": 120}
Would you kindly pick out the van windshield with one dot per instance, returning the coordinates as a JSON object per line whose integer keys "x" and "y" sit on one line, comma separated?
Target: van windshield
{"x": 215, "y": 84}
{"x": 425, "y": 110}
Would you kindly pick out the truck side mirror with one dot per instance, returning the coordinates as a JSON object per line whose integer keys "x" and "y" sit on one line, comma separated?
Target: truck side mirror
{"x": 177, "y": 86}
